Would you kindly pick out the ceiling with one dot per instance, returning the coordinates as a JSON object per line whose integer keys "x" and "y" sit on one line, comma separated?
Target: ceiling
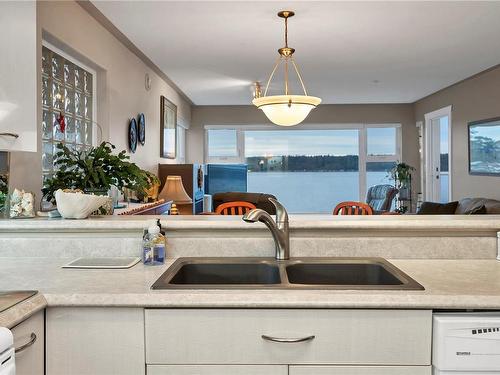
{"x": 348, "y": 52}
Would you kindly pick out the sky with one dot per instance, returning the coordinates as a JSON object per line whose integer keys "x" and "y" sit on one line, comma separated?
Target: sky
{"x": 381, "y": 141}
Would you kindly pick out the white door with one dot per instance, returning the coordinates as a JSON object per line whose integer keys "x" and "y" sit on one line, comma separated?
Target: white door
{"x": 438, "y": 155}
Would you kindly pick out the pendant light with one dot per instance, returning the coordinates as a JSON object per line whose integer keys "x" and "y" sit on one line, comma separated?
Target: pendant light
{"x": 287, "y": 109}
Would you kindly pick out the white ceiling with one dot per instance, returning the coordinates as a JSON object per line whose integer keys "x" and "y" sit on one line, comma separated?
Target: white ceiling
{"x": 348, "y": 52}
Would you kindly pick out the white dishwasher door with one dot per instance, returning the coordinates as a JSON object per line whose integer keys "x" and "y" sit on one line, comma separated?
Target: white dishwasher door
{"x": 466, "y": 343}
{"x": 7, "y": 355}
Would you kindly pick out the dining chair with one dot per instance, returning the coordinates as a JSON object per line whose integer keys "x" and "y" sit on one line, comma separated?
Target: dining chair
{"x": 234, "y": 208}
{"x": 352, "y": 208}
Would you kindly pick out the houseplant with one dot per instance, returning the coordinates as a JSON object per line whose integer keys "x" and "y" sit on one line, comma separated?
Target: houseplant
{"x": 401, "y": 174}
{"x": 95, "y": 171}
{"x": 4, "y": 192}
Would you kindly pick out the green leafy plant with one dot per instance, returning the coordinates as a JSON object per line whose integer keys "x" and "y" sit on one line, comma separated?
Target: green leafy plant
{"x": 96, "y": 169}
{"x": 4, "y": 190}
{"x": 401, "y": 173}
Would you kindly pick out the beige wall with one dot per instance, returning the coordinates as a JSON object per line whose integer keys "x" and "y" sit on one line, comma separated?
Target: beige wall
{"x": 324, "y": 114}
{"x": 473, "y": 99}
{"x": 121, "y": 94}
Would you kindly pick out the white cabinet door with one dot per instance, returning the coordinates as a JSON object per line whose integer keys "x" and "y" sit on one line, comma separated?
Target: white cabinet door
{"x": 360, "y": 370}
{"x": 29, "y": 341}
{"x": 217, "y": 370}
{"x": 226, "y": 336}
{"x": 95, "y": 341}
{"x": 18, "y": 76}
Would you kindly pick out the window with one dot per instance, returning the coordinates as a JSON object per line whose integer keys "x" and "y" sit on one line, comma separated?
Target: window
{"x": 381, "y": 141}
{"x": 222, "y": 143}
{"x": 67, "y": 89}
{"x": 310, "y": 170}
{"x": 181, "y": 144}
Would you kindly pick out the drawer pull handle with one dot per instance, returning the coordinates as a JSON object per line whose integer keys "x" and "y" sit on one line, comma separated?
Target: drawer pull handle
{"x": 13, "y": 135}
{"x": 28, "y": 344}
{"x": 288, "y": 340}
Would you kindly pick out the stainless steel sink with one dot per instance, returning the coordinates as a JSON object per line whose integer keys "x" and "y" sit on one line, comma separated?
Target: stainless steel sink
{"x": 230, "y": 273}
{"x": 295, "y": 273}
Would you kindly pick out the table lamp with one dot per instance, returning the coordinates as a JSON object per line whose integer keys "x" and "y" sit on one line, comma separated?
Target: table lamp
{"x": 174, "y": 191}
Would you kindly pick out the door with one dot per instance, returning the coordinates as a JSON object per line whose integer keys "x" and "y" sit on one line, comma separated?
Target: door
{"x": 438, "y": 155}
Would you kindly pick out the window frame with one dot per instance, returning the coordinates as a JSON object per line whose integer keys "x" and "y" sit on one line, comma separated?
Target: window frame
{"x": 363, "y": 156}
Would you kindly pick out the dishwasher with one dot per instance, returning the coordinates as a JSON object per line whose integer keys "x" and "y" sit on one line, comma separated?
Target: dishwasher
{"x": 7, "y": 356}
{"x": 466, "y": 343}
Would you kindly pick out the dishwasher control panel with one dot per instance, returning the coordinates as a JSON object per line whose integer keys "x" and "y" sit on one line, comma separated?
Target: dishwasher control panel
{"x": 466, "y": 342}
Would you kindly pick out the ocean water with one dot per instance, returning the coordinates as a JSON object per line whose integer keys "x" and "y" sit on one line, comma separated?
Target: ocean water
{"x": 308, "y": 192}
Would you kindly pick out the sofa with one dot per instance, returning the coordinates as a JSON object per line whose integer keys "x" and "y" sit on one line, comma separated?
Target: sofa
{"x": 260, "y": 200}
{"x": 466, "y": 206}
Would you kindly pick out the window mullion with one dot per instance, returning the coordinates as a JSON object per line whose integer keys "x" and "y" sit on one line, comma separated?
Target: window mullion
{"x": 362, "y": 163}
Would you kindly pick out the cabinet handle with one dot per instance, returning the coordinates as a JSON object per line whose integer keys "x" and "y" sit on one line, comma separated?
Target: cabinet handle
{"x": 13, "y": 135}
{"x": 288, "y": 340}
{"x": 27, "y": 345}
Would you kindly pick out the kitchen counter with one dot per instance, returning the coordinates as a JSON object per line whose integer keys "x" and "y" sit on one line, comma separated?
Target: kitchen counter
{"x": 21, "y": 311}
{"x": 449, "y": 284}
{"x": 224, "y": 222}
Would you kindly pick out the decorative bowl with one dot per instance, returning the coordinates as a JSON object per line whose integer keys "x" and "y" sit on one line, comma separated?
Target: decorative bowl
{"x": 76, "y": 205}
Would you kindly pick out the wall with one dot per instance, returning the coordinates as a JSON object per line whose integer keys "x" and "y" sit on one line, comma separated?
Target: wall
{"x": 120, "y": 83}
{"x": 473, "y": 99}
{"x": 324, "y": 114}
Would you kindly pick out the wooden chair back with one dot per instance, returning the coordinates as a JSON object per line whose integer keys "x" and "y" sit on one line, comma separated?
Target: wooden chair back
{"x": 352, "y": 208}
{"x": 234, "y": 208}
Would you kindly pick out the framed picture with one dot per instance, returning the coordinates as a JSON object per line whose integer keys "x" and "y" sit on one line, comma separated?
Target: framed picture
{"x": 168, "y": 128}
{"x": 484, "y": 147}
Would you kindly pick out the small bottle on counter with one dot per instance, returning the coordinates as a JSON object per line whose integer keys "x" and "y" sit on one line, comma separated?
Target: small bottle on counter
{"x": 153, "y": 248}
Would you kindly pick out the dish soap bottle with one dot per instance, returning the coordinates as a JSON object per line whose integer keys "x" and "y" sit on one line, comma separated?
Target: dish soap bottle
{"x": 153, "y": 248}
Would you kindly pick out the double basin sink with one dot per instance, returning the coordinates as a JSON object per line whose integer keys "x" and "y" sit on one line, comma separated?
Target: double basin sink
{"x": 295, "y": 273}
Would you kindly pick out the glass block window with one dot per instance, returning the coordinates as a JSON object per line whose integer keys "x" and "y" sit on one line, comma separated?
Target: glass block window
{"x": 68, "y": 89}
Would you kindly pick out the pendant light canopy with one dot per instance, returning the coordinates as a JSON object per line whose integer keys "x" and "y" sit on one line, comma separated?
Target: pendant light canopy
{"x": 287, "y": 109}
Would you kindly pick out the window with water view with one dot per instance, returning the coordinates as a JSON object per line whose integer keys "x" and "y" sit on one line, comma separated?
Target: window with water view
{"x": 310, "y": 171}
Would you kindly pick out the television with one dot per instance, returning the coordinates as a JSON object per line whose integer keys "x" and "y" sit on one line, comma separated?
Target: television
{"x": 222, "y": 178}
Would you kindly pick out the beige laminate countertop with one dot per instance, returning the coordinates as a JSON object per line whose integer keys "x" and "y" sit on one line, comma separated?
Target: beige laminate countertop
{"x": 21, "y": 311}
{"x": 449, "y": 284}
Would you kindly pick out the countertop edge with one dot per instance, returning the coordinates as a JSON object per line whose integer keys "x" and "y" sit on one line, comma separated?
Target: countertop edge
{"x": 22, "y": 311}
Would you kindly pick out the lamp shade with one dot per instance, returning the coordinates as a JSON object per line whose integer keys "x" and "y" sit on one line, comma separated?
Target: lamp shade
{"x": 286, "y": 110}
{"x": 174, "y": 191}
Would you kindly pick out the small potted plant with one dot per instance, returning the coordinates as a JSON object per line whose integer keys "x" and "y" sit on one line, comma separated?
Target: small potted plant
{"x": 401, "y": 174}
{"x": 95, "y": 171}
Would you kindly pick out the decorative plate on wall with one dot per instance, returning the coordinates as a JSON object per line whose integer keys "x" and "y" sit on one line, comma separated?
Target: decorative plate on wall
{"x": 142, "y": 129}
{"x": 132, "y": 135}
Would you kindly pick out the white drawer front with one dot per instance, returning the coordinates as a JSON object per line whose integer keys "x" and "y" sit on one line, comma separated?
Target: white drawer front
{"x": 389, "y": 337}
{"x": 216, "y": 370}
{"x": 360, "y": 370}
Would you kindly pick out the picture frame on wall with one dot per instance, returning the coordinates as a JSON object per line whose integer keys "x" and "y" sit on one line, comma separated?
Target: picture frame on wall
{"x": 484, "y": 147}
{"x": 168, "y": 128}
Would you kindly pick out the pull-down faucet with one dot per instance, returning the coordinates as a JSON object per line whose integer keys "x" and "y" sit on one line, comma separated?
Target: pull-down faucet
{"x": 278, "y": 228}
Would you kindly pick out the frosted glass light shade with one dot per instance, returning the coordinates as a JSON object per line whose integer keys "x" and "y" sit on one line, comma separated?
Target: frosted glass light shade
{"x": 286, "y": 110}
